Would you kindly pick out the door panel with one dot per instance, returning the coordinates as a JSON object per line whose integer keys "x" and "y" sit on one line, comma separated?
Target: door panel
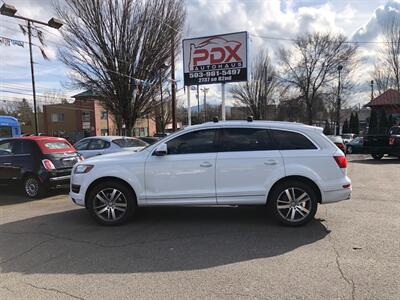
{"x": 246, "y": 165}
{"x": 186, "y": 175}
{"x": 7, "y": 171}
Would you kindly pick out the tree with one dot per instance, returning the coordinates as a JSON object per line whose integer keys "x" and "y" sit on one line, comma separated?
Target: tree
{"x": 311, "y": 65}
{"x": 383, "y": 122}
{"x": 258, "y": 93}
{"x": 387, "y": 71}
{"x": 118, "y": 48}
{"x": 356, "y": 128}
{"x": 345, "y": 128}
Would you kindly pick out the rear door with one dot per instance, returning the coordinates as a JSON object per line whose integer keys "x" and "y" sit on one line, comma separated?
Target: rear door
{"x": 24, "y": 159}
{"x": 247, "y": 162}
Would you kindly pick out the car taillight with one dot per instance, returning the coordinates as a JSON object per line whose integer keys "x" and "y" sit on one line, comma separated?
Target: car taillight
{"x": 341, "y": 161}
{"x": 392, "y": 140}
{"x": 48, "y": 165}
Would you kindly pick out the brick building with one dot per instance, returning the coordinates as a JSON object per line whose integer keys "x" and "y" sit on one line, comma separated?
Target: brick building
{"x": 86, "y": 117}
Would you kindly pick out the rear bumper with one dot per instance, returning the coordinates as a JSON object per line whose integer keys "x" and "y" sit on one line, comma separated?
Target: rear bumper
{"x": 57, "y": 177}
{"x": 338, "y": 192}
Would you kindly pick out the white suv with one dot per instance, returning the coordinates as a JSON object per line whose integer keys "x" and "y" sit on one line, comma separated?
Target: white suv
{"x": 289, "y": 167}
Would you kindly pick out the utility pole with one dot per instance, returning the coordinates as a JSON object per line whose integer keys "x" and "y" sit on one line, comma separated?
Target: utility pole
{"x": 10, "y": 11}
{"x": 372, "y": 90}
{"x": 173, "y": 85}
{"x": 198, "y": 104}
{"x": 339, "y": 103}
{"x": 205, "y": 91}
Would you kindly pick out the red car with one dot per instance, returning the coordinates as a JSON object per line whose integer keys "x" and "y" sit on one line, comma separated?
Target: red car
{"x": 36, "y": 162}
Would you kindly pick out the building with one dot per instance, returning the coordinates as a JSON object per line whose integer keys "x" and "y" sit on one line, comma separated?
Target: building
{"x": 86, "y": 117}
{"x": 389, "y": 101}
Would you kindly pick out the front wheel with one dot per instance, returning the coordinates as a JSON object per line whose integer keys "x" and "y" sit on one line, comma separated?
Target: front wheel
{"x": 377, "y": 156}
{"x": 111, "y": 203}
{"x": 293, "y": 203}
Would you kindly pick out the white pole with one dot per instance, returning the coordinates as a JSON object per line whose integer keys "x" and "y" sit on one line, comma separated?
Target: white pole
{"x": 223, "y": 102}
{"x": 189, "y": 108}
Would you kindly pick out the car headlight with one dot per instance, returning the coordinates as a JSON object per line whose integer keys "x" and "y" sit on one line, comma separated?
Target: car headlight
{"x": 80, "y": 169}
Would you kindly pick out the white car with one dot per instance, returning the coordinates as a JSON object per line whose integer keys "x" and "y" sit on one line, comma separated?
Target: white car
{"x": 289, "y": 167}
{"x": 98, "y": 145}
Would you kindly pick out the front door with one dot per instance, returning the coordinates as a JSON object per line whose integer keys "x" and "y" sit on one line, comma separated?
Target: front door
{"x": 186, "y": 175}
{"x": 247, "y": 163}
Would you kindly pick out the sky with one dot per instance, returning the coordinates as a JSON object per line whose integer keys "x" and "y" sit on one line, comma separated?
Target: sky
{"x": 358, "y": 20}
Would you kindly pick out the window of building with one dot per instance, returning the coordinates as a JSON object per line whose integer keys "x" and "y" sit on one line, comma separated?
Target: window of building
{"x": 85, "y": 116}
{"x": 246, "y": 139}
{"x": 57, "y": 117}
{"x": 103, "y": 115}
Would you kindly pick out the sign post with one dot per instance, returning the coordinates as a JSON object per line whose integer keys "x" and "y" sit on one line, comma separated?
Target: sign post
{"x": 189, "y": 108}
{"x": 215, "y": 59}
{"x": 223, "y": 113}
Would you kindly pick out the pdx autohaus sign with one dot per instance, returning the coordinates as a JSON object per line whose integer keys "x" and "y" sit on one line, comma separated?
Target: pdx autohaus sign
{"x": 215, "y": 59}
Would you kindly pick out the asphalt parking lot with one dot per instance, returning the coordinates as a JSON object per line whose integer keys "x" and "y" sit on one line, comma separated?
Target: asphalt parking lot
{"x": 50, "y": 248}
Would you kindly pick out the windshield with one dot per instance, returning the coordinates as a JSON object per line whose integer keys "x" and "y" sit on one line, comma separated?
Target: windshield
{"x": 129, "y": 142}
{"x": 5, "y": 131}
{"x": 347, "y": 136}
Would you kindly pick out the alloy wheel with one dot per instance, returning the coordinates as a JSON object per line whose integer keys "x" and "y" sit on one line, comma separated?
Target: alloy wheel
{"x": 31, "y": 187}
{"x": 294, "y": 204}
{"x": 110, "y": 204}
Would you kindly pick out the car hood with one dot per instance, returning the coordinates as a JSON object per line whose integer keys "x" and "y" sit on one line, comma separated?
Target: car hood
{"x": 117, "y": 157}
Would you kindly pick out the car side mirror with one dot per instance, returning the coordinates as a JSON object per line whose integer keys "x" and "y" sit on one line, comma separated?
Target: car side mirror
{"x": 161, "y": 150}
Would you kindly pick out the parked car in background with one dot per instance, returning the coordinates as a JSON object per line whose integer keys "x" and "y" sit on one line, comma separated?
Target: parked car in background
{"x": 149, "y": 139}
{"x": 160, "y": 134}
{"x": 338, "y": 141}
{"x": 289, "y": 167}
{"x": 36, "y": 162}
{"x": 380, "y": 144}
{"x": 355, "y": 146}
{"x": 99, "y": 145}
{"x": 347, "y": 137}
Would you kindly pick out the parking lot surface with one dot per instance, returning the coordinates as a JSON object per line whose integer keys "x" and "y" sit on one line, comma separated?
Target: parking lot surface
{"x": 50, "y": 248}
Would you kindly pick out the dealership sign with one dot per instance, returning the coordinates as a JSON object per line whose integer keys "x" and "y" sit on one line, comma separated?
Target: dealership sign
{"x": 215, "y": 59}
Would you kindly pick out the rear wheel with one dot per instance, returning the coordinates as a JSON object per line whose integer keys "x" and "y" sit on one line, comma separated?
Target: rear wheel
{"x": 111, "y": 203}
{"x": 293, "y": 203}
{"x": 377, "y": 156}
{"x": 33, "y": 187}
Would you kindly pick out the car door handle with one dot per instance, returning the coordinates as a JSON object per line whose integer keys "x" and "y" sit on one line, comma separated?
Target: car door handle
{"x": 7, "y": 164}
{"x": 270, "y": 162}
{"x": 205, "y": 164}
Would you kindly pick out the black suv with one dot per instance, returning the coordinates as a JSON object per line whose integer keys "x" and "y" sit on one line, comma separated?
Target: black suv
{"x": 36, "y": 162}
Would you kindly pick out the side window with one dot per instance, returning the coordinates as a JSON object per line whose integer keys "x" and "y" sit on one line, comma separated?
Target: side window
{"x": 246, "y": 139}
{"x": 202, "y": 141}
{"x": 97, "y": 144}
{"x": 82, "y": 145}
{"x": 6, "y": 148}
{"x": 23, "y": 147}
{"x": 288, "y": 140}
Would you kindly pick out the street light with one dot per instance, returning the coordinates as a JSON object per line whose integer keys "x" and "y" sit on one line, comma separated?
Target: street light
{"x": 10, "y": 11}
{"x": 163, "y": 66}
{"x": 339, "y": 68}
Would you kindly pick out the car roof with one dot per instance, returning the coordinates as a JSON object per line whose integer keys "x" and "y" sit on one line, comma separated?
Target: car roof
{"x": 39, "y": 138}
{"x": 108, "y": 138}
{"x": 271, "y": 124}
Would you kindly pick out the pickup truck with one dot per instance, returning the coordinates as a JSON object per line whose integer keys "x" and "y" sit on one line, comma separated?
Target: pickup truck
{"x": 380, "y": 144}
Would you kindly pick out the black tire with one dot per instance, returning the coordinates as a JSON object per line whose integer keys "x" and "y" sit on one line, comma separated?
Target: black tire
{"x": 104, "y": 191}
{"x": 278, "y": 195}
{"x": 349, "y": 150}
{"x": 33, "y": 187}
{"x": 377, "y": 156}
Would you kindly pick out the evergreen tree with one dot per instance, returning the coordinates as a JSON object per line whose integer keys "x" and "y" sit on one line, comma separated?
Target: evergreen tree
{"x": 383, "y": 122}
{"x": 373, "y": 122}
{"x": 356, "y": 124}
{"x": 345, "y": 128}
{"x": 351, "y": 123}
{"x": 327, "y": 128}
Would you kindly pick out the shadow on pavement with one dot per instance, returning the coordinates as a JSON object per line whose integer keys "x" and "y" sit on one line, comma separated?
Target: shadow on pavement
{"x": 158, "y": 239}
{"x": 14, "y": 194}
{"x": 371, "y": 161}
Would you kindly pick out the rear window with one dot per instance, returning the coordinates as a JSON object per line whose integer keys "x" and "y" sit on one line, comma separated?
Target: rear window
{"x": 51, "y": 146}
{"x": 394, "y": 130}
{"x": 126, "y": 143}
{"x": 288, "y": 140}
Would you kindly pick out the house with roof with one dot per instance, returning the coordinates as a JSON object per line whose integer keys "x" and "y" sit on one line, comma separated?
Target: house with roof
{"x": 389, "y": 102}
